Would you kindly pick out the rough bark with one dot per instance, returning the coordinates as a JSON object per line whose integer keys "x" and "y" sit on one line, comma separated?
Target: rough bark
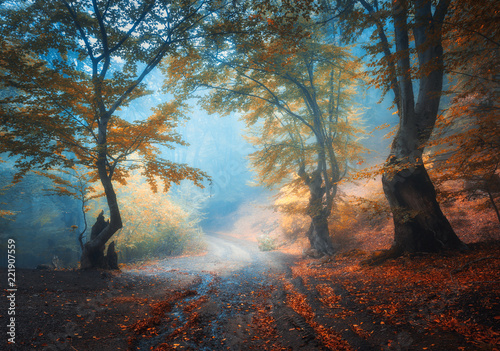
{"x": 318, "y": 233}
{"x": 102, "y": 231}
{"x": 93, "y": 250}
{"x": 92, "y": 254}
{"x": 419, "y": 223}
{"x": 111, "y": 256}
{"x": 491, "y": 185}
{"x": 319, "y": 236}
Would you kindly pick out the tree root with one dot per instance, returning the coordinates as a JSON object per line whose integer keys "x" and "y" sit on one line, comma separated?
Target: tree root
{"x": 474, "y": 261}
{"x": 321, "y": 261}
{"x": 380, "y": 257}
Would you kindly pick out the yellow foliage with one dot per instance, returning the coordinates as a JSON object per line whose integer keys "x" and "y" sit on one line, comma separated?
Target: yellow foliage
{"x": 155, "y": 224}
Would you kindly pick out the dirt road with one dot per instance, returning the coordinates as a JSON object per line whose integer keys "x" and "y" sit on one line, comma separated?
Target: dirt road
{"x": 234, "y": 281}
{"x": 235, "y": 297}
{"x": 239, "y": 302}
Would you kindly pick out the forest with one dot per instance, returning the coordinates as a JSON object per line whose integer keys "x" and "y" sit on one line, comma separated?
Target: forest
{"x": 261, "y": 175}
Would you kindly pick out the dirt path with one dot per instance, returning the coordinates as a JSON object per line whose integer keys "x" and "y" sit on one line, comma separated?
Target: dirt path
{"x": 244, "y": 299}
{"x": 236, "y": 284}
{"x": 235, "y": 297}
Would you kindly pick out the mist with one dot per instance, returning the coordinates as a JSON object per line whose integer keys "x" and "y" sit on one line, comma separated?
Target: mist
{"x": 262, "y": 175}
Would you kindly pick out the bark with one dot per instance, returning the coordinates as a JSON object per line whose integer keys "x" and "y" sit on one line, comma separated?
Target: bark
{"x": 318, "y": 233}
{"x": 92, "y": 254}
{"x": 93, "y": 250}
{"x": 111, "y": 256}
{"x": 319, "y": 236}
{"x": 419, "y": 223}
{"x": 492, "y": 185}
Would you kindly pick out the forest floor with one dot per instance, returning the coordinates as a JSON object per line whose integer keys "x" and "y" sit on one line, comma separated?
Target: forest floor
{"x": 235, "y": 297}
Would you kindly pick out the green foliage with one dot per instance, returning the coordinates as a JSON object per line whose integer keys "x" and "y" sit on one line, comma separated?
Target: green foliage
{"x": 266, "y": 243}
{"x": 165, "y": 240}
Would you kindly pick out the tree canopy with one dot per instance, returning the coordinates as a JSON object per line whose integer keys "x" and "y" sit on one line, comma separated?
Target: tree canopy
{"x": 67, "y": 72}
{"x": 294, "y": 92}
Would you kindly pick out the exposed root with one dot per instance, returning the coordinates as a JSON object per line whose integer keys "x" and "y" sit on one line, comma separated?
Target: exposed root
{"x": 322, "y": 261}
{"x": 474, "y": 261}
{"x": 380, "y": 257}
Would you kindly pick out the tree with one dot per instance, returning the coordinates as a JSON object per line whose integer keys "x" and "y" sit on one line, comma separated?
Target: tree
{"x": 77, "y": 185}
{"x": 414, "y": 60}
{"x": 293, "y": 91}
{"x": 466, "y": 142}
{"x": 69, "y": 70}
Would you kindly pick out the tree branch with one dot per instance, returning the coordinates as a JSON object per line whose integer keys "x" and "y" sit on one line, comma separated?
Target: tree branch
{"x": 81, "y": 31}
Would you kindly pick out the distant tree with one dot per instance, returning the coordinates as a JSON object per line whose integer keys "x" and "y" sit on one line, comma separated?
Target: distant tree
{"x": 414, "y": 59}
{"x": 5, "y": 213}
{"x": 467, "y": 140}
{"x": 70, "y": 66}
{"x": 77, "y": 184}
{"x": 293, "y": 90}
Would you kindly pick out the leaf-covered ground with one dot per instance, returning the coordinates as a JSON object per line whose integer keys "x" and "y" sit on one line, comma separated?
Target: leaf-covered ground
{"x": 428, "y": 302}
{"x": 236, "y": 297}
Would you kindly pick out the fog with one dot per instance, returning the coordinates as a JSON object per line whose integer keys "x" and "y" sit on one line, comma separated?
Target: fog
{"x": 46, "y": 225}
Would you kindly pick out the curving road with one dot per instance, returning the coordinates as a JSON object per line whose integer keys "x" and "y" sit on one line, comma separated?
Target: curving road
{"x": 226, "y": 255}
{"x": 238, "y": 302}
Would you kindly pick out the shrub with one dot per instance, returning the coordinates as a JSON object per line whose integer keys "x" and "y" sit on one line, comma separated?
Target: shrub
{"x": 266, "y": 243}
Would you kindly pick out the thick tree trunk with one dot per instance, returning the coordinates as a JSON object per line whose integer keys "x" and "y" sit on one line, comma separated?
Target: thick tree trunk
{"x": 493, "y": 204}
{"x": 318, "y": 233}
{"x": 93, "y": 257}
{"x": 92, "y": 254}
{"x": 319, "y": 236}
{"x": 112, "y": 256}
{"x": 419, "y": 223}
{"x": 93, "y": 250}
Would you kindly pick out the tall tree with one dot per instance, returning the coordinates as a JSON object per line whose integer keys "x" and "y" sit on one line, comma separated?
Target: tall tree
{"x": 293, "y": 90}
{"x": 70, "y": 66}
{"x": 412, "y": 67}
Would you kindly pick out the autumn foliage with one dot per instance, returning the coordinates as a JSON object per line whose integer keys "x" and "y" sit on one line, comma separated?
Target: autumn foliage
{"x": 465, "y": 154}
{"x": 61, "y": 94}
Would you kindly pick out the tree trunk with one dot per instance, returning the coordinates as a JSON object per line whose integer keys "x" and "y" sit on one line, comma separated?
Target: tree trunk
{"x": 318, "y": 233}
{"x": 492, "y": 200}
{"x": 93, "y": 257}
{"x": 319, "y": 236}
{"x": 93, "y": 250}
{"x": 419, "y": 223}
{"x": 112, "y": 256}
{"x": 92, "y": 254}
